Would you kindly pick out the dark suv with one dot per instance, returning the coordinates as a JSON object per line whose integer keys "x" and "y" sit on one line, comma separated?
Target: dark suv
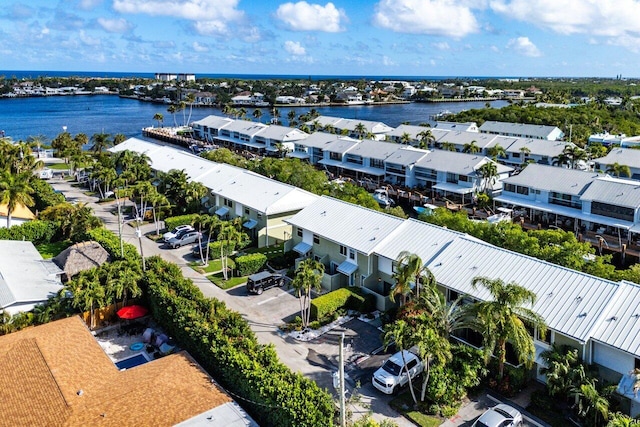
{"x": 259, "y": 282}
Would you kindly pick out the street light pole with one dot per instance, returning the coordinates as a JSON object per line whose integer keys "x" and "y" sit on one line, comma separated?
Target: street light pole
{"x": 343, "y": 415}
{"x": 139, "y": 235}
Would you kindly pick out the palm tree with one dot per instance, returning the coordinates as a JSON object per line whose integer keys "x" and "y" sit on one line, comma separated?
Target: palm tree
{"x": 360, "y": 130}
{"x": 502, "y": 320}
{"x": 400, "y": 333}
{"x": 617, "y": 169}
{"x": 75, "y": 220}
{"x": 434, "y": 348}
{"x": 448, "y": 146}
{"x": 159, "y": 118}
{"x": 229, "y": 236}
{"x": 15, "y": 190}
{"x": 100, "y": 142}
{"x": 426, "y": 138}
{"x": 496, "y": 152}
{"x": 405, "y": 138}
{"x": 411, "y": 266}
{"x": 119, "y": 138}
{"x": 257, "y": 114}
{"x": 190, "y": 100}
{"x": 471, "y": 147}
{"x": 489, "y": 173}
{"x": 173, "y": 109}
{"x": 308, "y": 277}
{"x": 590, "y": 403}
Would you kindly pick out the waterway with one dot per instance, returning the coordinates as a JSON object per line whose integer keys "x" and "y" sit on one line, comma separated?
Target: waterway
{"x": 21, "y": 118}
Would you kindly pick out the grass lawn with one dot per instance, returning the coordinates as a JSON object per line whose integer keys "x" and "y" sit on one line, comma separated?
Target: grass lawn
{"x": 404, "y": 401}
{"x": 58, "y": 166}
{"x": 49, "y": 250}
{"x": 214, "y": 265}
{"x": 219, "y": 281}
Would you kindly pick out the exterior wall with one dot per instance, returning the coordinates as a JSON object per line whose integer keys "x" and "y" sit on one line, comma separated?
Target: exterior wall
{"x": 14, "y": 221}
{"x": 611, "y": 358}
{"x": 277, "y": 230}
{"x": 560, "y": 339}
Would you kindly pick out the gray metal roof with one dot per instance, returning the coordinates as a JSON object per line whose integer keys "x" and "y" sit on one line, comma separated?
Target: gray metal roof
{"x": 462, "y": 138}
{"x": 370, "y": 149}
{"x": 341, "y": 145}
{"x": 412, "y": 130}
{"x": 456, "y": 126}
{"x": 623, "y": 156}
{"x": 506, "y": 128}
{"x": 214, "y": 122}
{"x": 24, "y": 276}
{"x": 570, "y": 302}
{"x": 282, "y": 133}
{"x": 553, "y": 178}
{"x": 620, "y": 323}
{"x": 245, "y": 127}
{"x": 617, "y": 192}
{"x": 540, "y": 147}
{"x": 459, "y": 163}
{"x": 137, "y": 145}
{"x": 345, "y": 223}
{"x": 350, "y": 124}
{"x": 418, "y": 237}
{"x": 405, "y": 156}
{"x": 319, "y": 140}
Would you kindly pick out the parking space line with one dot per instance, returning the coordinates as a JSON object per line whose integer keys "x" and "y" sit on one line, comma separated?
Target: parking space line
{"x": 290, "y": 291}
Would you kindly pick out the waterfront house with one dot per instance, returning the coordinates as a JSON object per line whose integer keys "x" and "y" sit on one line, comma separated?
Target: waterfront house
{"x": 208, "y": 128}
{"x": 522, "y": 130}
{"x": 26, "y": 279}
{"x": 351, "y": 127}
{"x": 520, "y": 151}
{"x": 622, "y": 156}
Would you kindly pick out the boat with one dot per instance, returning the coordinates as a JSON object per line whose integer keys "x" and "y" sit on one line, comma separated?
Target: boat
{"x": 381, "y": 195}
{"x": 504, "y": 214}
{"x": 426, "y": 209}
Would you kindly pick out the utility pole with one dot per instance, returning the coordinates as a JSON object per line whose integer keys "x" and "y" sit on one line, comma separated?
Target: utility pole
{"x": 139, "y": 235}
{"x": 120, "y": 225}
{"x": 343, "y": 415}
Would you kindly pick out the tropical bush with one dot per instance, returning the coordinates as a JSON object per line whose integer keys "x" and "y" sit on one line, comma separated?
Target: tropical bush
{"x": 347, "y": 298}
{"x": 34, "y": 231}
{"x": 111, "y": 243}
{"x": 44, "y": 195}
{"x": 174, "y": 221}
{"x": 222, "y": 342}
{"x": 249, "y": 264}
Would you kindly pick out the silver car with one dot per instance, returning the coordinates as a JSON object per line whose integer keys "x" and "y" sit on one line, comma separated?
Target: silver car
{"x": 184, "y": 239}
{"x": 176, "y": 232}
{"x": 500, "y": 415}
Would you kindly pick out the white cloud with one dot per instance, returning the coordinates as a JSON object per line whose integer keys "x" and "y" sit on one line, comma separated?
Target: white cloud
{"x": 199, "y": 48}
{"x": 114, "y": 25}
{"x": 435, "y": 17}
{"x": 387, "y": 62}
{"x": 89, "y": 4}
{"x": 303, "y": 16}
{"x": 524, "y": 46}
{"x": 210, "y": 17}
{"x": 88, "y": 40}
{"x": 596, "y": 17}
{"x": 441, "y": 45}
{"x": 294, "y": 48}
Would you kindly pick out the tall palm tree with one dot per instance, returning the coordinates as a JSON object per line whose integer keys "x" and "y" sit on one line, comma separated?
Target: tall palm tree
{"x": 448, "y": 146}
{"x": 257, "y": 114}
{"x": 496, "y": 152}
{"x": 159, "y": 118}
{"x": 426, "y": 138}
{"x": 360, "y": 130}
{"x": 229, "y": 236}
{"x": 173, "y": 109}
{"x": 405, "y": 138}
{"x": 617, "y": 169}
{"x": 15, "y": 190}
{"x": 502, "y": 320}
{"x": 489, "y": 173}
{"x": 190, "y": 99}
{"x": 100, "y": 142}
{"x": 471, "y": 147}
{"x": 590, "y": 403}
{"x": 308, "y": 277}
{"x": 411, "y": 265}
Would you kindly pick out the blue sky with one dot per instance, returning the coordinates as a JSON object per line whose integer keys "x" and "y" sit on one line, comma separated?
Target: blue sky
{"x": 344, "y": 37}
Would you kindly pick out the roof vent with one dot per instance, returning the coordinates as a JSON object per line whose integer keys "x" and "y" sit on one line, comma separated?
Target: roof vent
{"x": 550, "y": 294}
{"x": 578, "y": 299}
{"x": 80, "y": 392}
{"x": 614, "y": 318}
{"x": 583, "y": 314}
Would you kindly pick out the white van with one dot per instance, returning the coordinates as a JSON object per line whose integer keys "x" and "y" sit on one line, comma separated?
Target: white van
{"x": 392, "y": 374}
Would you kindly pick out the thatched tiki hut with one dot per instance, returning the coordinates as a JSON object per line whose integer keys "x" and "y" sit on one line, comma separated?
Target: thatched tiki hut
{"x": 80, "y": 257}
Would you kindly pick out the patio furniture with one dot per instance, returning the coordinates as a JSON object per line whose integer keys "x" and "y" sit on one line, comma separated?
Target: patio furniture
{"x": 147, "y": 336}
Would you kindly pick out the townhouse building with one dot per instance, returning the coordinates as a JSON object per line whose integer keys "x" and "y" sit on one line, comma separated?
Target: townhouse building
{"x": 351, "y": 127}
{"x": 622, "y": 156}
{"x": 522, "y": 130}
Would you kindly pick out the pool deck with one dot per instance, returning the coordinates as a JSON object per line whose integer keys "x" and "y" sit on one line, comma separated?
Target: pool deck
{"x": 117, "y": 345}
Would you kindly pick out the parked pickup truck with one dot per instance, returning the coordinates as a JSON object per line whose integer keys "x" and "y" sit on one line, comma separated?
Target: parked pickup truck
{"x": 259, "y": 282}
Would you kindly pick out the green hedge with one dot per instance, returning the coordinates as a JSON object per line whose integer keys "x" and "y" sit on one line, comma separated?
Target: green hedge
{"x": 224, "y": 345}
{"x": 249, "y": 264}
{"x": 348, "y": 298}
{"x": 44, "y": 195}
{"x": 35, "y": 231}
{"x": 111, "y": 243}
{"x": 174, "y": 221}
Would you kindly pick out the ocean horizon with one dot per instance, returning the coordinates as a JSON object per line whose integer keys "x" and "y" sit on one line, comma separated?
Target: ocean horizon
{"x": 33, "y": 74}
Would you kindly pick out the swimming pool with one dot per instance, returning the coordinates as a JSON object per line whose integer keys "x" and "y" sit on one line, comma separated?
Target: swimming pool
{"x": 133, "y": 361}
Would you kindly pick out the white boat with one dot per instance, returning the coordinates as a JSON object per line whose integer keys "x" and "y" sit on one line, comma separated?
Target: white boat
{"x": 426, "y": 209}
{"x": 503, "y": 214}
{"x": 381, "y": 195}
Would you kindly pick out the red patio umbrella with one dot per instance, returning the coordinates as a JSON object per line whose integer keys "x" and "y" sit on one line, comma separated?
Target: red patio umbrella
{"x": 132, "y": 312}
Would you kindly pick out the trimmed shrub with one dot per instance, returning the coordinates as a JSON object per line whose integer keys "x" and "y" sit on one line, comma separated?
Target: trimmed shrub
{"x": 347, "y": 298}
{"x": 35, "y": 231}
{"x": 249, "y": 264}
{"x": 111, "y": 243}
{"x": 223, "y": 344}
{"x": 174, "y": 221}
{"x": 44, "y": 195}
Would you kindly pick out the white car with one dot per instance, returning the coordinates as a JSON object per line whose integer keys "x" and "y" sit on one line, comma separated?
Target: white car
{"x": 500, "y": 416}
{"x": 392, "y": 374}
{"x": 176, "y": 232}
{"x": 184, "y": 238}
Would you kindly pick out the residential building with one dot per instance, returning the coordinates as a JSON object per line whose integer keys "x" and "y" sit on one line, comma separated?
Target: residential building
{"x": 20, "y": 215}
{"x": 312, "y": 148}
{"x": 351, "y": 127}
{"x": 607, "y": 140}
{"x": 455, "y": 126}
{"x": 622, "y": 156}
{"x": 522, "y": 130}
{"x": 520, "y": 151}
{"x": 56, "y": 374}
{"x": 26, "y": 279}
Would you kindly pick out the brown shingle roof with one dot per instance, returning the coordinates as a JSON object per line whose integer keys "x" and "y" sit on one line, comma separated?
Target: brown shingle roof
{"x": 45, "y": 367}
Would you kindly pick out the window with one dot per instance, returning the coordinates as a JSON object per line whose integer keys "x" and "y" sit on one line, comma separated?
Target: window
{"x": 299, "y": 231}
{"x": 228, "y": 203}
{"x": 453, "y": 295}
{"x": 246, "y": 211}
{"x": 376, "y": 163}
{"x": 352, "y": 254}
{"x": 412, "y": 363}
{"x": 343, "y": 250}
{"x": 546, "y": 338}
{"x": 611, "y": 211}
{"x": 316, "y": 238}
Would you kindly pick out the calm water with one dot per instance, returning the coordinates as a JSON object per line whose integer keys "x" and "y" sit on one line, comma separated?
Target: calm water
{"x": 24, "y": 117}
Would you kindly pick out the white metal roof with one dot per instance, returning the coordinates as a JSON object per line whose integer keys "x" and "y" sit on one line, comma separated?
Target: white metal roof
{"x": 616, "y": 192}
{"x": 553, "y": 178}
{"x": 506, "y": 128}
{"x": 341, "y": 145}
{"x": 345, "y": 223}
{"x": 135, "y": 144}
{"x": 214, "y": 122}
{"x": 319, "y": 140}
{"x": 245, "y": 127}
{"x": 540, "y": 147}
{"x": 459, "y": 163}
{"x": 570, "y": 302}
{"x": 622, "y": 156}
{"x": 418, "y": 237}
{"x": 24, "y": 276}
{"x": 464, "y": 137}
{"x": 282, "y": 133}
{"x": 370, "y": 149}
{"x": 406, "y": 156}
{"x": 620, "y": 324}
